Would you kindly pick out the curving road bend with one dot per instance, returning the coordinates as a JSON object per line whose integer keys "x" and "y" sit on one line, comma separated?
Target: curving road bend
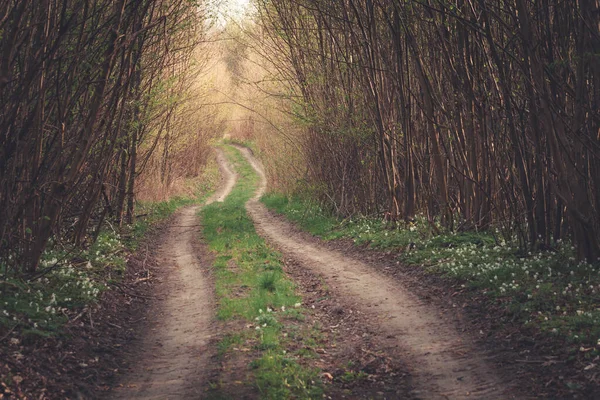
{"x": 444, "y": 363}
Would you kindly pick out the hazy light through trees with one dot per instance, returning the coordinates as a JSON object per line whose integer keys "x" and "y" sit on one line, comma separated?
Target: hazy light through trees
{"x": 228, "y": 10}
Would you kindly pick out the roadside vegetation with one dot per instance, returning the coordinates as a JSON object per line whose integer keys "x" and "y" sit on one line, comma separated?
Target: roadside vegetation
{"x": 91, "y": 162}
{"x": 252, "y": 288}
{"x": 69, "y": 280}
{"x": 468, "y": 166}
{"x": 547, "y": 290}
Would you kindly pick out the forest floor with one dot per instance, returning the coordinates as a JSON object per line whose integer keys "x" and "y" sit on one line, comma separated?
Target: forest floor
{"x": 355, "y": 327}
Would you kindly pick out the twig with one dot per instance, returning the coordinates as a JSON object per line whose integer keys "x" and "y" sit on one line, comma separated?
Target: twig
{"x": 142, "y": 279}
{"x": 44, "y": 271}
{"x": 132, "y": 294}
{"x": 435, "y": 229}
{"x": 138, "y": 295}
{"x": 146, "y": 259}
{"x": 111, "y": 227}
{"x": 10, "y": 283}
{"x": 79, "y": 315}
{"x": 10, "y": 331}
{"x": 91, "y": 320}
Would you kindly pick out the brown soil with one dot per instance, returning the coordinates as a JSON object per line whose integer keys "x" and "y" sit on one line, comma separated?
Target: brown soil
{"x": 229, "y": 178}
{"x": 334, "y": 337}
{"x": 341, "y": 343}
{"x": 352, "y": 355}
{"x": 83, "y": 361}
{"x": 173, "y": 352}
{"x": 92, "y": 353}
{"x": 444, "y": 362}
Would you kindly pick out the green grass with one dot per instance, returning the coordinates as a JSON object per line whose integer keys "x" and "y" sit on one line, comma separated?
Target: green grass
{"x": 309, "y": 215}
{"x": 228, "y": 342}
{"x": 548, "y": 290}
{"x": 246, "y": 143}
{"x": 251, "y": 286}
{"x": 39, "y": 307}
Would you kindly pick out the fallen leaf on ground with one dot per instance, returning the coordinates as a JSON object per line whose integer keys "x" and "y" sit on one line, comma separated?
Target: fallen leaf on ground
{"x": 327, "y": 376}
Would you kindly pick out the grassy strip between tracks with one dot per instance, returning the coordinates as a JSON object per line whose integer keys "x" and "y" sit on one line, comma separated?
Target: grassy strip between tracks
{"x": 251, "y": 287}
{"x": 546, "y": 290}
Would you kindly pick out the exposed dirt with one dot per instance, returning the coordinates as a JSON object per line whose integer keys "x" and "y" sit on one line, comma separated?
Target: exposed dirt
{"x": 229, "y": 178}
{"x": 444, "y": 362}
{"x": 349, "y": 351}
{"x": 85, "y": 361}
{"x": 380, "y": 332}
{"x": 543, "y": 365}
{"x": 172, "y": 355}
{"x": 334, "y": 337}
{"x": 173, "y": 351}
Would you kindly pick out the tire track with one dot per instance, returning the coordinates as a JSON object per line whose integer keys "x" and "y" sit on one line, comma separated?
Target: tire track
{"x": 172, "y": 358}
{"x": 445, "y": 363}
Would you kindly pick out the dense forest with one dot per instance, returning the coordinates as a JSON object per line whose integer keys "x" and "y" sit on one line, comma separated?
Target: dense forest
{"x": 94, "y": 96}
{"x": 473, "y": 113}
{"x": 408, "y": 206}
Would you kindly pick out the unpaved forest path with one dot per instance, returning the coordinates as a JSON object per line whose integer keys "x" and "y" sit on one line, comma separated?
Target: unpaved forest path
{"x": 444, "y": 363}
{"x": 173, "y": 353}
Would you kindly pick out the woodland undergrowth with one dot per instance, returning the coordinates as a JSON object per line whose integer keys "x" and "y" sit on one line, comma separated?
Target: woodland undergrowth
{"x": 70, "y": 280}
{"x": 545, "y": 290}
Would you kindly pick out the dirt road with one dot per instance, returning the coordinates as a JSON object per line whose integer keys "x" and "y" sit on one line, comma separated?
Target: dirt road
{"x": 444, "y": 363}
{"x": 172, "y": 356}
